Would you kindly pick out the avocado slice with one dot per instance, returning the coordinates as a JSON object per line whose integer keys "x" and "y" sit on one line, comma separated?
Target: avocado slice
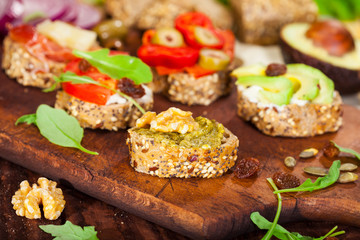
{"x": 277, "y": 90}
{"x": 316, "y": 86}
{"x": 297, "y": 48}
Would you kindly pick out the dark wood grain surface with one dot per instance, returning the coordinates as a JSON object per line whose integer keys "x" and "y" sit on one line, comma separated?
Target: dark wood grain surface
{"x": 199, "y": 208}
{"x": 110, "y": 222}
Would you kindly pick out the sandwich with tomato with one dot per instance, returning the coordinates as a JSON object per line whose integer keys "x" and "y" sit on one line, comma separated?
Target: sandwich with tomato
{"x": 104, "y": 90}
{"x": 191, "y": 62}
{"x": 34, "y": 55}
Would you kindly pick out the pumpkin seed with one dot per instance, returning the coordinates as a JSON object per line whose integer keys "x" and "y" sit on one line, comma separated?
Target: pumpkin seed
{"x": 308, "y": 153}
{"x": 290, "y": 161}
{"x": 347, "y": 177}
{"x": 348, "y": 167}
{"x": 317, "y": 171}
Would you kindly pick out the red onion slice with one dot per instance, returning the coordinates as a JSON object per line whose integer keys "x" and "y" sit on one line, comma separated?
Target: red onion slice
{"x": 87, "y": 17}
{"x": 53, "y": 9}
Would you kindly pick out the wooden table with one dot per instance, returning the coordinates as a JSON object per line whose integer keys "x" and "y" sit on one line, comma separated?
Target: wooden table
{"x": 110, "y": 222}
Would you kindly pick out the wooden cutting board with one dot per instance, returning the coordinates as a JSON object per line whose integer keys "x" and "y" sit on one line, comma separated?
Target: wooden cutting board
{"x": 199, "y": 208}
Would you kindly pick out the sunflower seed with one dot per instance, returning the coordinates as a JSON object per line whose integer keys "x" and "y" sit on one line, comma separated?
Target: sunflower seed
{"x": 348, "y": 167}
{"x": 308, "y": 153}
{"x": 347, "y": 177}
{"x": 290, "y": 161}
{"x": 318, "y": 171}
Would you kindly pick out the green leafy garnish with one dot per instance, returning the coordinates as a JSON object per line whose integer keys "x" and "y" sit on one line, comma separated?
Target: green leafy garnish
{"x": 117, "y": 66}
{"x": 283, "y": 234}
{"x": 347, "y": 150}
{"x": 70, "y": 231}
{"x": 320, "y": 183}
{"x": 57, "y": 126}
{"x": 340, "y": 9}
{"x": 279, "y": 231}
{"x": 75, "y": 79}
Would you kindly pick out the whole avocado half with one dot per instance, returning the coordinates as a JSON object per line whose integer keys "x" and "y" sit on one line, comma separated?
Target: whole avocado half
{"x": 296, "y": 48}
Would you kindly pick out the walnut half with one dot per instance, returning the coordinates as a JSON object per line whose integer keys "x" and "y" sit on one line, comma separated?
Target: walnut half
{"x": 27, "y": 199}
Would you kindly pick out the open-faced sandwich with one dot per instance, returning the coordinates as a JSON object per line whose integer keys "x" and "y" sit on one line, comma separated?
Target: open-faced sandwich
{"x": 328, "y": 46}
{"x": 105, "y": 91}
{"x": 293, "y": 100}
{"x": 190, "y": 62}
{"x": 173, "y": 144}
{"x": 33, "y": 56}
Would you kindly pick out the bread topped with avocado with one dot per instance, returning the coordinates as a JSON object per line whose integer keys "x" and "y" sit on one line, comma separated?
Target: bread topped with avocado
{"x": 293, "y": 100}
{"x": 173, "y": 144}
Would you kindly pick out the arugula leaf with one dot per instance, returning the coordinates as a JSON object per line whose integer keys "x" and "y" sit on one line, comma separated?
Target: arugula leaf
{"x": 57, "y": 126}
{"x": 118, "y": 66}
{"x": 283, "y": 234}
{"x": 320, "y": 183}
{"x": 340, "y": 9}
{"x": 347, "y": 150}
{"x": 69, "y": 231}
{"x": 29, "y": 119}
{"x": 75, "y": 79}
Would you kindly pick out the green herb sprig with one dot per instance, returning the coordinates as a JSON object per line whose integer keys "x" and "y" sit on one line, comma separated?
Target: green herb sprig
{"x": 280, "y": 232}
{"x": 320, "y": 182}
{"x": 347, "y": 150}
{"x": 57, "y": 126}
{"x": 340, "y": 9}
{"x": 70, "y": 231}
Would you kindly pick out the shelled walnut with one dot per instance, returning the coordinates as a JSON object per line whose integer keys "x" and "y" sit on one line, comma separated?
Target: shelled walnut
{"x": 27, "y": 199}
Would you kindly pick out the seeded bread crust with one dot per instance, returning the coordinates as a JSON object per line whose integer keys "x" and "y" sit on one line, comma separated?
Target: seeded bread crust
{"x": 110, "y": 117}
{"x": 157, "y": 159}
{"x": 292, "y": 120}
{"x": 186, "y": 89}
{"x": 18, "y": 63}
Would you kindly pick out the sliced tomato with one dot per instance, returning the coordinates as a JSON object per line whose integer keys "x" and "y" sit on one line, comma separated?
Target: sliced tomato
{"x": 156, "y": 55}
{"x": 161, "y": 70}
{"x": 89, "y": 92}
{"x": 229, "y": 42}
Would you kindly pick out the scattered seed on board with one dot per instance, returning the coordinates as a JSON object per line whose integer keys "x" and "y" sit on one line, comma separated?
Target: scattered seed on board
{"x": 347, "y": 177}
{"x": 348, "y": 167}
{"x": 290, "y": 162}
{"x": 317, "y": 171}
{"x": 308, "y": 153}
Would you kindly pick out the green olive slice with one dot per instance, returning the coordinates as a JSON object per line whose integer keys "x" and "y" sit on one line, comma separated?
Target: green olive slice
{"x": 169, "y": 37}
{"x": 205, "y": 36}
{"x": 213, "y": 59}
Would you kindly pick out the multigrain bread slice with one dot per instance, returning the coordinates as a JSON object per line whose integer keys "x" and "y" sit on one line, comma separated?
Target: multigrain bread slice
{"x": 28, "y": 70}
{"x": 186, "y": 89}
{"x": 111, "y": 117}
{"x": 158, "y": 159}
{"x": 291, "y": 120}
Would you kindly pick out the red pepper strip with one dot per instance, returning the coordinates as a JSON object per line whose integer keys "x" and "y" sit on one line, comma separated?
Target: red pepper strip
{"x": 229, "y": 42}
{"x": 183, "y": 21}
{"x": 156, "y": 55}
{"x": 88, "y": 92}
{"x": 198, "y": 71}
{"x": 161, "y": 70}
{"x": 147, "y": 36}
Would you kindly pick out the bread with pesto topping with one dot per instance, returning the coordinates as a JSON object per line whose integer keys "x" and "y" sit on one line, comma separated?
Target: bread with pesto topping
{"x": 160, "y": 157}
{"x": 309, "y": 109}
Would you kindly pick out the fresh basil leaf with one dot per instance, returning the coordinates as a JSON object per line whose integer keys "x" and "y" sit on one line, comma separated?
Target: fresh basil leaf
{"x": 347, "y": 150}
{"x": 29, "y": 119}
{"x": 118, "y": 66}
{"x": 60, "y": 128}
{"x": 57, "y": 126}
{"x": 69, "y": 231}
{"x": 320, "y": 183}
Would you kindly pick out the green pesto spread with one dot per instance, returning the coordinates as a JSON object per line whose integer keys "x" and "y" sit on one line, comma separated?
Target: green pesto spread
{"x": 208, "y": 135}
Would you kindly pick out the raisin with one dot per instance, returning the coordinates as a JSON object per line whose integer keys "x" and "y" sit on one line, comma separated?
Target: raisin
{"x": 246, "y": 167}
{"x": 128, "y": 87}
{"x": 275, "y": 69}
{"x": 285, "y": 180}
{"x": 330, "y": 150}
{"x": 84, "y": 65}
{"x": 153, "y": 168}
{"x": 193, "y": 158}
